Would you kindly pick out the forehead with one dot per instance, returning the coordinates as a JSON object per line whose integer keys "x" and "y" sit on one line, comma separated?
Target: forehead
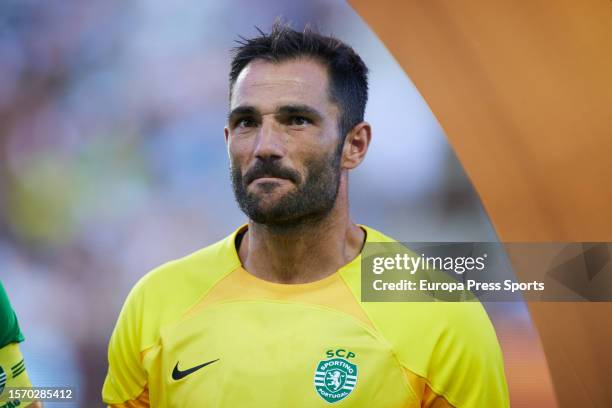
{"x": 266, "y": 85}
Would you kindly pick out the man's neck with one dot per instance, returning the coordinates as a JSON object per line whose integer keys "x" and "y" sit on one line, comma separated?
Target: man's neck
{"x": 301, "y": 254}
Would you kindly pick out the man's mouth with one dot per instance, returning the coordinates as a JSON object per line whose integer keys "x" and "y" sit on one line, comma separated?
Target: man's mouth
{"x": 267, "y": 179}
{"x": 261, "y": 173}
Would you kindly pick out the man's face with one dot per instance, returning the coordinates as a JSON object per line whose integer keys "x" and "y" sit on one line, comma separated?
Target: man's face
{"x": 283, "y": 142}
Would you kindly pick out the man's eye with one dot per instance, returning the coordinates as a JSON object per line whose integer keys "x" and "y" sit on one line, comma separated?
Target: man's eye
{"x": 299, "y": 121}
{"x": 245, "y": 123}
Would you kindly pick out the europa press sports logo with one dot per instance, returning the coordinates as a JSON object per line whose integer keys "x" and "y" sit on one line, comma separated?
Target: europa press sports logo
{"x": 335, "y": 377}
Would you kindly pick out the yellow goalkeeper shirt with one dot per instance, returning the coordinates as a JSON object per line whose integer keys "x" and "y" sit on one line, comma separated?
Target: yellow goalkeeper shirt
{"x": 203, "y": 332}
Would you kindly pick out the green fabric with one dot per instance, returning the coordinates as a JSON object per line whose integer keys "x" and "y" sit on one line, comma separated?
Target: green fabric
{"x": 9, "y": 327}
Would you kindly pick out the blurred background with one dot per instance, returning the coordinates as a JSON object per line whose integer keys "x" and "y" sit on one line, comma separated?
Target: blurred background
{"x": 113, "y": 161}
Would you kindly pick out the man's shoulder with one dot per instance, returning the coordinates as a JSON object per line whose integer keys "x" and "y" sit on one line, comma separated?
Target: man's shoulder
{"x": 424, "y": 334}
{"x": 167, "y": 292}
{"x": 194, "y": 270}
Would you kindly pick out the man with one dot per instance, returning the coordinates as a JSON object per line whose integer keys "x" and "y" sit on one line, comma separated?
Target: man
{"x": 12, "y": 364}
{"x": 271, "y": 316}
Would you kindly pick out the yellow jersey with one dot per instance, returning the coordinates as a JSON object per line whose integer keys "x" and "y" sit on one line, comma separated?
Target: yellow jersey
{"x": 203, "y": 332}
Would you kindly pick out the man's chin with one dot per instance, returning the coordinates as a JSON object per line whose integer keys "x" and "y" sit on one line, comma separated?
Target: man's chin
{"x": 270, "y": 211}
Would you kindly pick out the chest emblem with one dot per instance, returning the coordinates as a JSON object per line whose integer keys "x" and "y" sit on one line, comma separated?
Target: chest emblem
{"x": 335, "y": 378}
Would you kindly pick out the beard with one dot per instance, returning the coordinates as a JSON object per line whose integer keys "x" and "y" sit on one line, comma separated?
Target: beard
{"x": 314, "y": 197}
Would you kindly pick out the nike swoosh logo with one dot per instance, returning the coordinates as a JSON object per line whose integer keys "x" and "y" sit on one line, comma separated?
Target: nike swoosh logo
{"x": 178, "y": 374}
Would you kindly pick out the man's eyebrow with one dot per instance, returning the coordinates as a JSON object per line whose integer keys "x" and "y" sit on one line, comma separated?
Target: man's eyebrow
{"x": 241, "y": 111}
{"x": 299, "y": 110}
{"x": 281, "y": 110}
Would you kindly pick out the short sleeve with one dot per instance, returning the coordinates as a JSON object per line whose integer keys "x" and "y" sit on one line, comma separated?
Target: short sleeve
{"x": 467, "y": 366}
{"x": 450, "y": 349}
{"x": 126, "y": 380}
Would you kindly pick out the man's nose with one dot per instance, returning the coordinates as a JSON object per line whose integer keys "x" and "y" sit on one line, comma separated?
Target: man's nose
{"x": 269, "y": 141}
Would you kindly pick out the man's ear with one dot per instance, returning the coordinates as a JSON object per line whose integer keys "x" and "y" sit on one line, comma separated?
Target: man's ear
{"x": 356, "y": 145}
{"x": 226, "y": 131}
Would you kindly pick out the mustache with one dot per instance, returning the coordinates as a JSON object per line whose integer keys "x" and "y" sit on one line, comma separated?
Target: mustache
{"x": 268, "y": 168}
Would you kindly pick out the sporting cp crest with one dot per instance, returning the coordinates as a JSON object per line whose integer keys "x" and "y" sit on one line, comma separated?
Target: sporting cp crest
{"x": 335, "y": 378}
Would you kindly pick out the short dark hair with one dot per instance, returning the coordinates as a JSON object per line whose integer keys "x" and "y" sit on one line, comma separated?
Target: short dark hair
{"x": 348, "y": 75}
